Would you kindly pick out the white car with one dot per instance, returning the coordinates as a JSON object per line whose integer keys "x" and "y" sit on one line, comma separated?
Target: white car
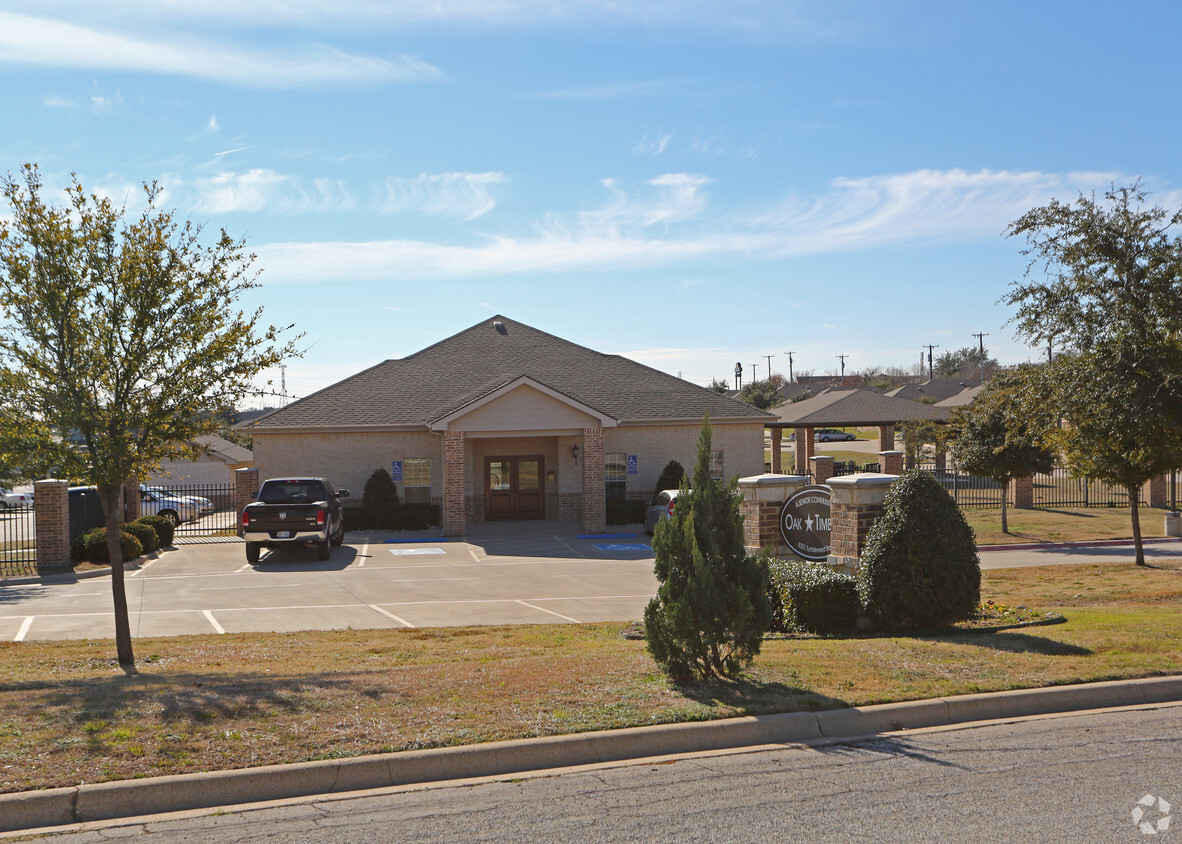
{"x": 659, "y": 510}
{"x": 15, "y": 500}
{"x": 204, "y": 505}
{"x": 177, "y": 509}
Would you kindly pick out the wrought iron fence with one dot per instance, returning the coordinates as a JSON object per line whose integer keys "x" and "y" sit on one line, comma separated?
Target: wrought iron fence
{"x": 1060, "y": 489}
{"x": 968, "y": 491}
{"x": 202, "y": 511}
{"x": 852, "y": 467}
{"x": 18, "y": 541}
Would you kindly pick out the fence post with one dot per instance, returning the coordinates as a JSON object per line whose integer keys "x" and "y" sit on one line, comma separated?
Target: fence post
{"x": 131, "y": 501}
{"x": 1157, "y": 493}
{"x": 246, "y": 484}
{"x": 1023, "y": 492}
{"x": 53, "y": 524}
{"x": 891, "y": 462}
{"x": 822, "y": 468}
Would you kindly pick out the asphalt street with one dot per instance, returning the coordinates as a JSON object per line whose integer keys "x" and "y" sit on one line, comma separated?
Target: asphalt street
{"x": 1095, "y": 777}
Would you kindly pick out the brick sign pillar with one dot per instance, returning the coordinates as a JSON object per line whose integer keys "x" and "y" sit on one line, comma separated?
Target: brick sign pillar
{"x": 891, "y": 462}
{"x": 453, "y": 483}
{"x": 822, "y": 466}
{"x": 594, "y": 495}
{"x": 763, "y": 497}
{"x": 886, "y": 437}
{"x": 1023, "y": 493}
{"x": 53, "y": 524}
{"x": 246, "y": 486}
{"x": 856, "y": 502}
{"x": 777, "y": 441}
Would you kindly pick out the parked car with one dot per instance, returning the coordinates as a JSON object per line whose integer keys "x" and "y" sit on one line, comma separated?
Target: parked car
{"x": 156, "y": 502}
{"x": 661, "y": 508}
{"x": 825, "y": 435}
{"x": 8, "y": 498}
{"x": 204, "y": 505}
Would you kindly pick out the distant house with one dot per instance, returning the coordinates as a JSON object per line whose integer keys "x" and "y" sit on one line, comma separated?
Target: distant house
{"x": 215, "y": 466}
{"x": 503, "y": 421}
{"x": 935, "y": 390}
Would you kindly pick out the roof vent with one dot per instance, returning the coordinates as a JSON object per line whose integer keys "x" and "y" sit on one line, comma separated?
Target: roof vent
{"x": 499, "y": 326}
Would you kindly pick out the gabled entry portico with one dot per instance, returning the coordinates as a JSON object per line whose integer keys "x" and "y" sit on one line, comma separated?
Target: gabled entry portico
{"x": 522, "y": 450}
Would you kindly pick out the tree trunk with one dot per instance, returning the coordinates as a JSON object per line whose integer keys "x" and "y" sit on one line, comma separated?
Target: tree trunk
{"x": 112, "y": 500}
{"x": 1136, "y": 514}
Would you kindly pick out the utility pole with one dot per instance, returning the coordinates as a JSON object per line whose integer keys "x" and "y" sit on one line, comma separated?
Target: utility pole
{"x": 842, "y": 357}
{"x": 929, "y": 348}
{"x": 754, "y": 372}
{"x": 790, "y": 376}
{"x": 769, "y": 365}
{"x": 283, "y": 383}
{"x": 981, "y": 338}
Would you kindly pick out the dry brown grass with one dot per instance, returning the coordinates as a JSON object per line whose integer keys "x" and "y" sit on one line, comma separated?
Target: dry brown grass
{"x": 1063, "y": 524}
{"x": 67, "y": 715}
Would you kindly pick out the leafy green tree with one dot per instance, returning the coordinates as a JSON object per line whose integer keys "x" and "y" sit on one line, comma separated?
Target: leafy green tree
{"x": 966, "y": 362}
{"x": 719, "y": 386}
{"x": 122, "y": 335}
{"x": 711, "y": 609}
{"x": 1002, "y": 435}
{"x": 1110, "y": 299}
{"x": 762, "y": 394}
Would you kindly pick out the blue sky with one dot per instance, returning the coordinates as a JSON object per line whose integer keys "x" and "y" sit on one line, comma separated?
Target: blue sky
{"x": 689, "y": 184}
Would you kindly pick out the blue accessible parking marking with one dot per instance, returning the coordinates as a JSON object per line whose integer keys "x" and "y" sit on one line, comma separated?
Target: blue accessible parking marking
{"x": 415, "y": 552}
{"x": 637, "y": 546}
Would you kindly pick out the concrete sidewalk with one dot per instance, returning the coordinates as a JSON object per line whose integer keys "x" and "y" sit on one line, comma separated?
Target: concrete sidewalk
{"x": 137, "y": 798}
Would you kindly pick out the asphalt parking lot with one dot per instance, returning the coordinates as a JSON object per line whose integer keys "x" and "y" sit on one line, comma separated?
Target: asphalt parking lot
{"x": 544, "y": 575}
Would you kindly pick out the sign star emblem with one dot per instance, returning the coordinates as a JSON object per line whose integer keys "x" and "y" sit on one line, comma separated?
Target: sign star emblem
{"x": 808, "y": 523}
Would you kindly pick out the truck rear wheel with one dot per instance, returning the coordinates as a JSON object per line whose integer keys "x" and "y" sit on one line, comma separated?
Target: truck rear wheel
{"x": 324, "y": 549}
{"x": 252, "y": 552}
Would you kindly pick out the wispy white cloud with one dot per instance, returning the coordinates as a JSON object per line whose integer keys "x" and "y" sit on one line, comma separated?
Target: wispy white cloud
{"x": 95, "y": 103}
{"x": 257, "y": 190}
{"x": 49, "y": 42}
{"x": 855, "y": 213}
{"x": 463, "y": 195}
{"x": 212, "y": 127}
{"x": 655, "y": 146}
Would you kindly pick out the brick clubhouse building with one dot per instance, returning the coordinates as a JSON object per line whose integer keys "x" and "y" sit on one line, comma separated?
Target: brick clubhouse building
{"x": 503, "y": 421}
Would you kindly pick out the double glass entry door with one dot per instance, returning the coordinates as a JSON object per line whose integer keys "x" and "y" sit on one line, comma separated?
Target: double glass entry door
{"x": 513, "y": 488}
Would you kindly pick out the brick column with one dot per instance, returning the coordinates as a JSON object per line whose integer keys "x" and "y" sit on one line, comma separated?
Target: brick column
{"x": 891, "y": 462}
{"x": 856, "y": 503}
{"x": 453, "y": 484}
{"x": 1023, "y": 493}
{"x": 886, "y": 437}
{"x": 246, "y": 485}
{"x": 822, "y": 466}
{"x": 131, "y": 502}
{"x": 1157, "y": 492}
{"x": 763, "y": 498}
{"x": 53, "y": 525}
{"x": 594, "y": 500}
{"x": 941, "y": 458}
{"x": 777, "y": 439}
{"x": 803, "y": 449}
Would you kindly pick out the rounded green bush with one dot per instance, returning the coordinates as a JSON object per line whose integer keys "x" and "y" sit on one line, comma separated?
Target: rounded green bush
{"x": 145, "y": 533}
{"x": 96, "y": 546}
{"x": 164, "y": 528}
{"x": 919, "y": 568}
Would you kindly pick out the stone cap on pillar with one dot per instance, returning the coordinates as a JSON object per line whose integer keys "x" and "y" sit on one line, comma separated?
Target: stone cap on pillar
{"x": 770, "y": 487}
{"x": 862, "y": 488}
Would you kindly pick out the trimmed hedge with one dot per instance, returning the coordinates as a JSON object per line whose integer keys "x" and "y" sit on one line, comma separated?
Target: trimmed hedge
{"x": 94, "y": 546}
{"x": 626, "y": 512}
{"x": 920, "y": 567}
{"x": 670, "y": 478}
{"x": 164, "y": 528}
{"x": 146, "y": 534}
{"x": 812, "y": 598}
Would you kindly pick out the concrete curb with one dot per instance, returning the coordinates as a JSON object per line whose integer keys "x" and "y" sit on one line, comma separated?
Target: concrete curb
{"x": 135, "y": 798}
{"x": 1067, "y": 546}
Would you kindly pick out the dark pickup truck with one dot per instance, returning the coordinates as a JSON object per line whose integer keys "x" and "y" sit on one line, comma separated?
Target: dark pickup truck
{"x": 294, "y": 511}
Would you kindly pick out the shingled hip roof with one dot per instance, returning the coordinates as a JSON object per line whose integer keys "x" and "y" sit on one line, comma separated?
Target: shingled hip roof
{"x": 435, "y": 383}
{"x": 836, "y": 408}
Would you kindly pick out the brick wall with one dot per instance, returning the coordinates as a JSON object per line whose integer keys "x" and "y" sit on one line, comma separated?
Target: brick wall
{"x": 453, "y": 484}
{"x": 594, "y": 505}
{"x": 246, "y": 484}
{"x": 856, "y": 503}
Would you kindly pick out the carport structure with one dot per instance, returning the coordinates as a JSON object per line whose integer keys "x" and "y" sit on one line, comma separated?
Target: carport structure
{"x": 845, "y": 408}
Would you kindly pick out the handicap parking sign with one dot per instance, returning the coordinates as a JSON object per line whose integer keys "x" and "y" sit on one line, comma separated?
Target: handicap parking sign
{"x": 633, "y": 464}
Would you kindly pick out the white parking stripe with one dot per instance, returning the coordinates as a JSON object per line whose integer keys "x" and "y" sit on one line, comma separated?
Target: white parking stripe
{"x": 20, "y": 635}
{"x": 213, "y": 621}
{"x": 142, "y": 568}
{"x": 401, "y": 621}
{"x": 362, "y": 555}
{"x": 541, "y": 609}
